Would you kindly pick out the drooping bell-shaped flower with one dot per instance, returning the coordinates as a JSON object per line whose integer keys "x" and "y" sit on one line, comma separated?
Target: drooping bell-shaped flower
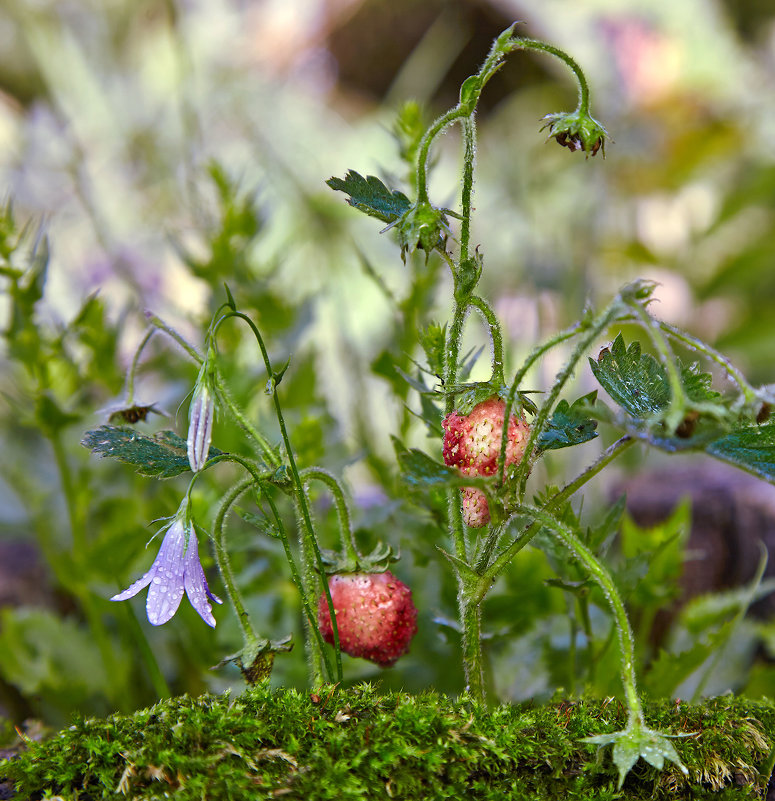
{"x": 176, "y": 569}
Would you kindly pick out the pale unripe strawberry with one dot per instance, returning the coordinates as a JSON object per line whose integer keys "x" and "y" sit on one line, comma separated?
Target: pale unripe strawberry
{"x": 472, "y": 443}
{"x": 375, "y": 616}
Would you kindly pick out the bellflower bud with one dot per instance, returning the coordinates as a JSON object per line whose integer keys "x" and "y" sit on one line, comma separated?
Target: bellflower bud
{"x": 201, "y": 413}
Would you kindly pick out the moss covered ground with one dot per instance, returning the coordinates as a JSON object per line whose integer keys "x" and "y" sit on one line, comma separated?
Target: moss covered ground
{"x": 361, "y": 744}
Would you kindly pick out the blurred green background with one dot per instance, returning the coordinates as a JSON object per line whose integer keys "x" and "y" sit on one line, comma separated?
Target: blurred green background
{"x": 167, "y": 147}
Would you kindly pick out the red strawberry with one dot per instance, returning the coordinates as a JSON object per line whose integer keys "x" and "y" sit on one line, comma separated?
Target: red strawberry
{"x": 374, "y": 613}
{"x": 472, "y": 443}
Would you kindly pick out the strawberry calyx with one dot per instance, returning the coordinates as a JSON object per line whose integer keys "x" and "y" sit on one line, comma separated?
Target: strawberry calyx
{"x": 378, "y": 561}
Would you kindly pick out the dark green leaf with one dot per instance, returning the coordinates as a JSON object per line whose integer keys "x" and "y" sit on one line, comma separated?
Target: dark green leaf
{"x": 162, "y": 455}
{"x": 421, "y": 472}
{"x": 569, "y": 425}
{"x": 371, "y": 196}
{"x": 751, "y": 449}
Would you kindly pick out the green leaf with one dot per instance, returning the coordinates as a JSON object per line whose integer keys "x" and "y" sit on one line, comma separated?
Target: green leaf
{"x": 635, "y": 380}
{"x": 262, "y": 523}
{"x": 421, "y": 472}
{"x": 408, "y": 131}
{"x": 469, "y": 92}
{"x": 50, "y": 657}
{"x": 371, "y": 196}
{"x": 638, "y": 382}
{"x": 569, "y": 425}
{"x": 751, "y": 449}
{"x": 276, "y": 378}
{"x": 637, "y": 740}
{"x": 50, "y": 416}
{"x": 162, "y": 455}
{"x": 433, "y": 339}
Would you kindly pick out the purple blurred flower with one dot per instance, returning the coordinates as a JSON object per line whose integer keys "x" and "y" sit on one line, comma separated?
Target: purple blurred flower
{"x": 176, "y": 568}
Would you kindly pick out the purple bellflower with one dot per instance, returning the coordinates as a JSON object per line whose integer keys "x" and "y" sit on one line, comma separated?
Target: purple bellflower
{"x": 176, "y": 568}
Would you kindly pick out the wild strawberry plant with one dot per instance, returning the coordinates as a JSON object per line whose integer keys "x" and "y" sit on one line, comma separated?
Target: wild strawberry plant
{"x": 489, "y": 437}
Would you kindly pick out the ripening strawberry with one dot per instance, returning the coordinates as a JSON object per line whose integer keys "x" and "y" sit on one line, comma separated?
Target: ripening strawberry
{"x": 375, "y": 616}
{"x": 472, "y": 443}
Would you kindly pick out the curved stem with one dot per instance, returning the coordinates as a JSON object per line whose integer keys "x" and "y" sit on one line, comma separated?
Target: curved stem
{"x": 678, "y": 399}
{"x": 224, "y": 565}
{"x": 490, "y": 572}
{"x": 157, "y": 322}
{"x": 495, "y": 333}
{"x": 130, "y": 376}
{"x": 533, "y": 44}
{"x": 603, "y": 578}
{"x": 537, "y": 427}
{"x": 267, "y": 451}
{"x": 424, "y": 149}
{"x": 531, "y": 359}
{"x": 311, "y": 619}
{"x": 310, "y": 552}
{"x": 345, "y": 525}
{"x": 225, "y": 400}
{"x": 749, "y": 393}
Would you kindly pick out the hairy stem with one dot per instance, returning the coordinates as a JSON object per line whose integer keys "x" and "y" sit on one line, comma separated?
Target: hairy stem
{"x": 224, "y": 565}
{"x": 495, "y": 334}
{"x": 532, "y": 358}
{"x": 471, "y": 620}
{"x": 533, "y": 44}
{"x": 224, "y": 398}
{"x": 749, "y": 393}
{"x": 603, "y": 578}
{"x": 130, "y": 376}
{"x": 537, "y": 427}
{"x": 469, "y": 157}
{"x": 312, "y": 621}
{"x": 345, "y": 524}
{"x": 310, "y": 553}
{"x": 490, "y": 572}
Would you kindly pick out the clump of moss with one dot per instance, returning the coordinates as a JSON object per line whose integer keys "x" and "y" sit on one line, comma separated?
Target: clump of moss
{"x": 358, "y": 743}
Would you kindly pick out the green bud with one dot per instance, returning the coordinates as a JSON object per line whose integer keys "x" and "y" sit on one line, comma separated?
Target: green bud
{"x": 577, "y": 130}
{"x": 422, "y": 227}
{"x": 468, "y": 276}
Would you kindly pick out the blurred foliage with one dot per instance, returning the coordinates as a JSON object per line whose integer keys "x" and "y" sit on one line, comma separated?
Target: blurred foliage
{"x": 172, "y": 147}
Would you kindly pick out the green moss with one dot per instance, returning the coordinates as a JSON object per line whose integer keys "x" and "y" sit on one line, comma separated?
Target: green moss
{"x": 362, "y": 744}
